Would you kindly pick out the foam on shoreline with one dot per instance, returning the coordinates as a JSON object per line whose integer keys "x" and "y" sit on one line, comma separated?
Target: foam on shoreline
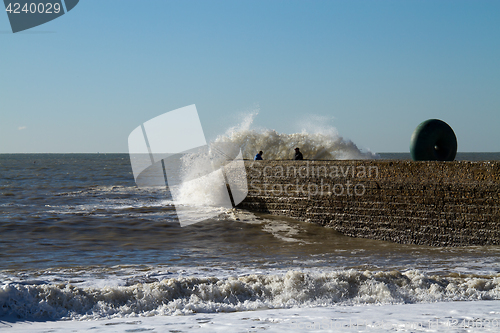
{"x": 38, "y": 300}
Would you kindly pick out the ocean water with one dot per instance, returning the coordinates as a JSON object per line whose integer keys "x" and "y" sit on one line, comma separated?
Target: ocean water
{"x": 80, "y": 243}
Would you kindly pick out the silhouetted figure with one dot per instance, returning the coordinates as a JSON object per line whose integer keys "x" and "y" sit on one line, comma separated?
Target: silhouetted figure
{"x": 258, "y": 157}
{"x": 298, "y": 155}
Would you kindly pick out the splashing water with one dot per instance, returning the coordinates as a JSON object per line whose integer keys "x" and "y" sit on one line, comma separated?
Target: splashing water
{"x": 185, "y": 295}
{"x": 316, "y": 141}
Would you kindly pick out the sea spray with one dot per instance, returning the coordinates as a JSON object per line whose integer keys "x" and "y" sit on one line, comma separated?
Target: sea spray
{"x": 317, "y": 141}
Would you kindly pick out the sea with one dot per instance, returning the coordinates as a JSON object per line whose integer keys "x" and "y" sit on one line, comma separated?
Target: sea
{"x": 83, "y": 249}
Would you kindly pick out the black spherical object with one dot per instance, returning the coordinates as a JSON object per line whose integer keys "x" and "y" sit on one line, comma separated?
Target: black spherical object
{"x": 433, "y": 140}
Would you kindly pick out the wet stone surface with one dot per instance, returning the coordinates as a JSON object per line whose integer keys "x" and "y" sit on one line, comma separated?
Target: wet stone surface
{"x": 431, "y": 203}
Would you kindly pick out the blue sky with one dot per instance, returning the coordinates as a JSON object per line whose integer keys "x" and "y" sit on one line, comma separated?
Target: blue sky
{"x": 83, "y": 82}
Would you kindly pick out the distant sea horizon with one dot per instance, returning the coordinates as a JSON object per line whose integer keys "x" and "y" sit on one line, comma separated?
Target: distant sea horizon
{"x": 461, "y": 156}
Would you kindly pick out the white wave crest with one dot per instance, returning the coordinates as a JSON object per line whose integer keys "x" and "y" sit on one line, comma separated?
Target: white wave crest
{"x": 252, "y": 292}
{"x": 317, "y": 141}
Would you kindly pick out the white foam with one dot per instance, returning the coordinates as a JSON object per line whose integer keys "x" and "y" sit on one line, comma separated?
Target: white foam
{"x": 441, "y": 317}
{"x": 317, "y": 141}
{"x": 283, "y": 231}
{"x": 209, "y": 294}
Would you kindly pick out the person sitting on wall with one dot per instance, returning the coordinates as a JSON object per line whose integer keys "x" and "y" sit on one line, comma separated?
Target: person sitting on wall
{"x": 258, "y": 157}
{"x": 298, "y": 155}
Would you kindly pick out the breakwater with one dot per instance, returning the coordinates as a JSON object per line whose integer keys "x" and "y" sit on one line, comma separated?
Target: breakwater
{"x": 431, "y": 203}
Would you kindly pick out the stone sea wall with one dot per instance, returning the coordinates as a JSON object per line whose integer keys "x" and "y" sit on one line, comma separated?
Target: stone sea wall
{"x": 432, "y": 203}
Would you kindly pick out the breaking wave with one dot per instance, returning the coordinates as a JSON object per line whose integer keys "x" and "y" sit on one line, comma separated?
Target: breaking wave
{"x": 317, "y": 141}
{"x": 179, "y": 296}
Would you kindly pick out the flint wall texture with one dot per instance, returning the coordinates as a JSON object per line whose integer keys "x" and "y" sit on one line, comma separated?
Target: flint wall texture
{"x": 432, "y": 203}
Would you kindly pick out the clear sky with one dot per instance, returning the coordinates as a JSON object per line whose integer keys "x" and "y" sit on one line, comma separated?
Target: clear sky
{"x": 83, "y": 82}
